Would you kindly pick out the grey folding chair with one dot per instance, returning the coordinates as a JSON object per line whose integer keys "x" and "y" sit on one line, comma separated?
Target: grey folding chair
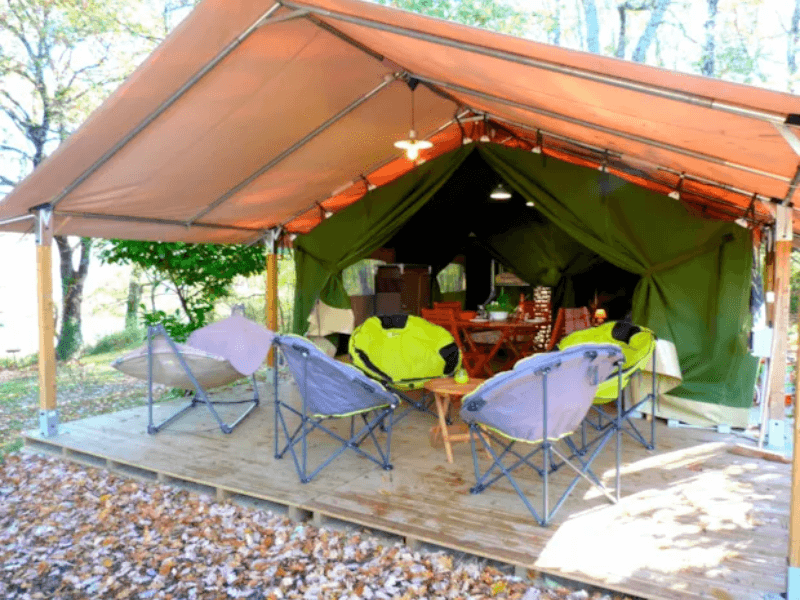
{"x": 330, "y": 389}
{"x": 539, "y": 403}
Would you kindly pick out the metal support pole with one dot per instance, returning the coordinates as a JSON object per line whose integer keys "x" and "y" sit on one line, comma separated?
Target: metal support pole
{"x": 48, "y": 412}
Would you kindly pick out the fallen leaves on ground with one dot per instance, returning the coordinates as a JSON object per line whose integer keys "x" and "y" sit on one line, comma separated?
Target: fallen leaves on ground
{"x": 68, "y": 531}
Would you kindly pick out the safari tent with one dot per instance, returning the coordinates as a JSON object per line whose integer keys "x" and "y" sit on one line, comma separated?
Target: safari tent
{"x": 694, "y": 274}
{"x": 260, "y": 120}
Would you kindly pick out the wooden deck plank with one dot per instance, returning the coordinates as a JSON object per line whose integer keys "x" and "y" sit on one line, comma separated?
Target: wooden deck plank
{"x": 694, "y": 519}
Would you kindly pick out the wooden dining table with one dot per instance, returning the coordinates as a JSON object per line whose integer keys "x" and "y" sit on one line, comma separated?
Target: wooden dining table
{"x": 516, "y": 337}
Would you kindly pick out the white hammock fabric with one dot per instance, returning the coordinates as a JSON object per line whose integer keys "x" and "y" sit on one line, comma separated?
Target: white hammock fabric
{"x": 217, "y": 354}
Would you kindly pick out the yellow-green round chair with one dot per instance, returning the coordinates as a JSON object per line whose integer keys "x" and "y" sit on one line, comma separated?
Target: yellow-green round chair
{"x": 404, "y": 352}
{"x": 638, "y": 345}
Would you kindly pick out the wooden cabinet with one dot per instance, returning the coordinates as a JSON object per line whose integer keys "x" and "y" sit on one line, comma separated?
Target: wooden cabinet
{"x": 402, "y": 288}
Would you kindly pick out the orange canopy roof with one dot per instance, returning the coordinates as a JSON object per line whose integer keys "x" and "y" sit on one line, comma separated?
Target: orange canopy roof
{"x": 255, "y": 114}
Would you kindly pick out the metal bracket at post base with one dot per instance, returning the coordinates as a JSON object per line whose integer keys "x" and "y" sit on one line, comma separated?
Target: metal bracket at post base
{"x": 48, "y": 423}
{"x": 793, "y": 583}
{"x": 776, "y": 434}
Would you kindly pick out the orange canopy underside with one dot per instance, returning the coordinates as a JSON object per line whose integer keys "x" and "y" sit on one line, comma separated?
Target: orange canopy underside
{"x": 253, "y": 115}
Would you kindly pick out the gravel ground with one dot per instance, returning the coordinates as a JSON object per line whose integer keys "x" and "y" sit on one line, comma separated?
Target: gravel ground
{"x": 68, "y": 531}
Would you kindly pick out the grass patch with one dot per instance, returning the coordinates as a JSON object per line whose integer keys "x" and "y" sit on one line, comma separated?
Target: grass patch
{"x": 128, "y": 339}
{"x": 86, "y": 387}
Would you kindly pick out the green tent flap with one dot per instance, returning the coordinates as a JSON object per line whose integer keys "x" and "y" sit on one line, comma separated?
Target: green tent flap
{"x": 586, "y": 226}
{"x": 357, "y": 231}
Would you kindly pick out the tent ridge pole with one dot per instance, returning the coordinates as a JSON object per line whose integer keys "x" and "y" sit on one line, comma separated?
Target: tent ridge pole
{"x": 379, "y": 57}
{"x": 344, "y": 37}
{"x": 154, "y": 221}
{"x": 371, "y": 169}
{"x": 621, "y": 155}
{"x": 792, "y": 187}
{"x": 261, "y": 21}
{"x": 604, "y": 129}
{"x": 12, "y": 220}
{"x": 789, "y": 136}
{"x": 294, "y": 147}
{"x": 652, "y": 90}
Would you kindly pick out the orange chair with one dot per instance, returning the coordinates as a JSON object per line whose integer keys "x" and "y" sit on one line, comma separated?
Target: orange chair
{"x": 568, "y": 321}
{"x": 455, "y": 304}
{"x": 447, "y": 318}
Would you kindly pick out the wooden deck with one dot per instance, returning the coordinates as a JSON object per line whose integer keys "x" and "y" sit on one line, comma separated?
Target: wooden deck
{"x": 695, "y": 521}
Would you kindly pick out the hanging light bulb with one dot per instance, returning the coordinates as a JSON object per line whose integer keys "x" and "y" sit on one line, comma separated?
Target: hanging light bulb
{"x": 500, "y": 193}
{"x": 412, "y": 146}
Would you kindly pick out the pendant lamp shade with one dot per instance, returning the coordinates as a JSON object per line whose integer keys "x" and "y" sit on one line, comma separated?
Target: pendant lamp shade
{"x": 500, "y": 193}
{"x": 412, "y": 146}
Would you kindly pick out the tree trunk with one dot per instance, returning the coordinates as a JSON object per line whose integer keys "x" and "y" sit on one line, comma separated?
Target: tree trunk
{"x": 707, "y": 67}
{"x": 556, "y": 34}
{"x": 134, "y": 298}
{"x": 623, "y": 14}
{"x": 649, "y": 33}
{"x": 792, "y": 43}
{"x": 592, "y": 26}
{"x": 72, "y": 280}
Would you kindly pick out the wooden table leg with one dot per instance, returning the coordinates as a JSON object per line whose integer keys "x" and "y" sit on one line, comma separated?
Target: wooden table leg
{"x": 442, "y": 404}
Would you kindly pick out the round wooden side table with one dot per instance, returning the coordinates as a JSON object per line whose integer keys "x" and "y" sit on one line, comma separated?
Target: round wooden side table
{"x": 446, "y": 391}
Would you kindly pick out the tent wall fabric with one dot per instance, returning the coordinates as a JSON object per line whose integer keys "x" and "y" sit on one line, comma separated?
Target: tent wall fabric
{"x": 694, "y": 273}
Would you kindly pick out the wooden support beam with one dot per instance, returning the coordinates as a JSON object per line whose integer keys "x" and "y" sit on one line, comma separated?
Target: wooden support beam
{"x": 48, "y": 415}
{"x": 783, "y": 273}
{"x": 272, "y": 297}
{"x": 47, "y": 354}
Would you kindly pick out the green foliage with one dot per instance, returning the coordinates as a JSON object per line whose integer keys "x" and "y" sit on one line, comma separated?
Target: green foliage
{"x": 200, "y": 275}
{"x": 127, "y": 339}
{"x": 503, "y": 303}
{"x": 70, "y": 339}
{"x": 359, "y": 278}
{"x": 452, "y": 278}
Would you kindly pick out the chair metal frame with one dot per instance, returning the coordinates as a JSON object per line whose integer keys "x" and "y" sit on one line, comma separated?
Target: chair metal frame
{"x": 599, "y": 420}
{"x": 309, "y": 423}
{"x": 549, "y": 450}
{"x": 199, "y": 397}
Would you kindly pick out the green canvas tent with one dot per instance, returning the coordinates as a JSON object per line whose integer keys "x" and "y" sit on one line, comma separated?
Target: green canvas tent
{"x": 693, "y": 274}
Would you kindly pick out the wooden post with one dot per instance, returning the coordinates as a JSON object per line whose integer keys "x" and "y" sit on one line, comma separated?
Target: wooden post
{"x": 271, "y": 305}
{"x": 783, "y": 274}
{"x": 48, "y": 413}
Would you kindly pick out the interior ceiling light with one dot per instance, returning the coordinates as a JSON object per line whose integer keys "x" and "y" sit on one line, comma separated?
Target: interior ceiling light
{"x": 500, "y": 193}
{"x": 412, "y": 146}
{"x": 530, "y": 203}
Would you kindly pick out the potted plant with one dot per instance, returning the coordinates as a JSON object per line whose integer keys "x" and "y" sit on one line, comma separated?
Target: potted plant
{"x": 500, "y": 308}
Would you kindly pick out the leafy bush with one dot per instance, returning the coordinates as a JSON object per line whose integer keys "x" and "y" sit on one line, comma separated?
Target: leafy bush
{"x": 122, "y": 340}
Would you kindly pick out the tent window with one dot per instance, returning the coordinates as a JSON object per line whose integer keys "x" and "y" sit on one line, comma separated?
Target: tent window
{"x": 359, "y": 278}
{"x": 452, "y": 278}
